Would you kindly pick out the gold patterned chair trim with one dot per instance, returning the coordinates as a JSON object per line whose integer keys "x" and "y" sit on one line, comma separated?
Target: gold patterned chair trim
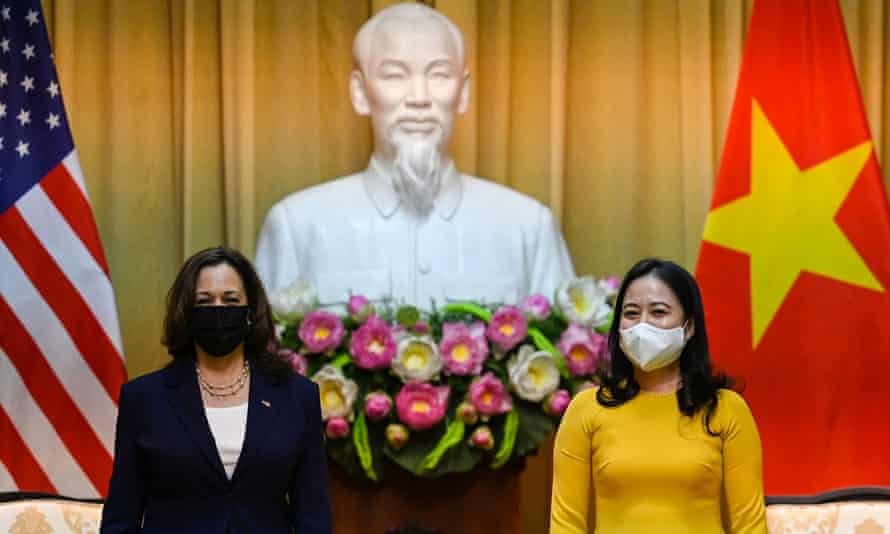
{"x": 49, "y": 516}
{"x": 847, "y": 517}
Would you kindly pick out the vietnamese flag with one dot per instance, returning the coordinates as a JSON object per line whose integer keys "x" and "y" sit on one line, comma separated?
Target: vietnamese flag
{"x": 795, "y": 259}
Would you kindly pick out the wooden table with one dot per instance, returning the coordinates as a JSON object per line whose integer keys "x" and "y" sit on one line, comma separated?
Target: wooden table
{"x": 482, "y": 502}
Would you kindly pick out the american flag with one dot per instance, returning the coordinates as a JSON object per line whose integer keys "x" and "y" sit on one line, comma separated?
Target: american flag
{"x": 61, "y": 359}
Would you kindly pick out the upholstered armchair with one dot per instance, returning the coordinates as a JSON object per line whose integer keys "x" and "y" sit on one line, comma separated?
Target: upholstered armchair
{"x": 33, "y": 513}
{"x": 863, "y": 510}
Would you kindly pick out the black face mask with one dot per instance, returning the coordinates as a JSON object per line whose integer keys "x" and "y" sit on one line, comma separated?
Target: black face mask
{"x": 219, "y": 329}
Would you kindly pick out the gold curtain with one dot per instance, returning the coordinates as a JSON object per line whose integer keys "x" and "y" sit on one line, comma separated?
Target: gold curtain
{"x": 191, "y": 117}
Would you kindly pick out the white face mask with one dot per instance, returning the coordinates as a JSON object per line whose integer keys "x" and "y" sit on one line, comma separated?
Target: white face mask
{"x": 650, "y": 347}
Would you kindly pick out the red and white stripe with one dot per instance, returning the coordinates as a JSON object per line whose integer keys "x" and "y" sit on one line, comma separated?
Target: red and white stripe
{"x": 61, "y": 363}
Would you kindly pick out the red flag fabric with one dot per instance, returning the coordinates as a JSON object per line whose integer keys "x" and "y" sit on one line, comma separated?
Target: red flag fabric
{"x": 61, "y": 363}
{"x": 795, "y": 259}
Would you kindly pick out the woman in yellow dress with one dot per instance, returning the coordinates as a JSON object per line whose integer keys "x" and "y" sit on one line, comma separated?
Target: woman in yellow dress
{"x": 663, "y": 446}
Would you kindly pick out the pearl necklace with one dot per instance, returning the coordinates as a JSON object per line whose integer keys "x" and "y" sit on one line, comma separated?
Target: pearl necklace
{"x": 227, "y": 390}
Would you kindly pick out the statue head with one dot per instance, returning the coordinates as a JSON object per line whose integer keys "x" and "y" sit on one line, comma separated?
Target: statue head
{"x": 410, "y": 78}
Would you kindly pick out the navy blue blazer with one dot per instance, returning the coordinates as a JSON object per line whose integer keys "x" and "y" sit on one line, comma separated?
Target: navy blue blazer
{"x": 168, "y": 476}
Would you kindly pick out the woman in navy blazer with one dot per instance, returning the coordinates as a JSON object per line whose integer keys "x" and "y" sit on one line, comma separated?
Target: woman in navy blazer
{"x": 227, "y": 438}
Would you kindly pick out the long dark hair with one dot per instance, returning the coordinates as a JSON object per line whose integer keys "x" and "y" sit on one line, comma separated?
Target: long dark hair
{"x": 699, "y": 384}
{"x": 181, "y": 301}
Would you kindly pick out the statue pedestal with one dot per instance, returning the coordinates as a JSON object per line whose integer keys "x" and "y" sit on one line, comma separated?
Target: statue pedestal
{"x": 485, "y": 501}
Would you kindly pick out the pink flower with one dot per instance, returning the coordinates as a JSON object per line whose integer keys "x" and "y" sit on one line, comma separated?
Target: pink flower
{"x": 337, "y": 428}
{"x": 397, "y": 435}
{"x": 321, "y": 331}
{"x": 610, "y": 285}
{"x": 507, "y": 328}
{"x": 297, "y": 361}
{"x": 557, "y": 402}
{"x": 421, "y": 327}
{"x": 466, "y": 412}
{"x": 482, "y": 438}
{"x": 583, "y": 350}
{"x": 463, "y": 348}
{"x": 377, "y": 405}
{"x": 536, "y": 306}
{"x": 373, "y": 345}
{"x": 421, "y": 405}
{"x": 489, "y": 396}
{"x": 398, "y": 330}
{"x": 359, "y": 308}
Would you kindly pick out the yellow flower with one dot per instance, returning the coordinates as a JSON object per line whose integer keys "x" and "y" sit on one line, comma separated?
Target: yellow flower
{"x": 337, "y": 392}
{"x": 533, "y": 374}
{"x": 417, "y": 359}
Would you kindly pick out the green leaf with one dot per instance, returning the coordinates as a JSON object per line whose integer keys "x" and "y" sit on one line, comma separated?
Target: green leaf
{"x": 454, "y": 433}
{"x": 467, "y": 307}
{"x": 458, "y": 459}
{"x": 290, "y": 338}
{"x": 341, "y": 360}
{"x": 343, "y": 452}
{"x": 499, "y": 368}
{"x": 541, "y": 341}
{"x": 511, "y": 427}
{"x": 535, "y": 427}
{"x": 407, "y": 316}
{"x": 604, "y": 328}
{"x": 312, "y": 366}
{"x": 552, "y": 327}
{"x": 363, "y": 446}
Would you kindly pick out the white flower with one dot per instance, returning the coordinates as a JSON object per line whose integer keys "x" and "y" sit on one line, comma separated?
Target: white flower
{"x": 583, "y": 301}
{"x": 337, "y": 392}
{"x": 533, "y": 374}
{"x": 417, "y": 359}
{"x": 291, "y": 303}
{"x": 610, "y": 285}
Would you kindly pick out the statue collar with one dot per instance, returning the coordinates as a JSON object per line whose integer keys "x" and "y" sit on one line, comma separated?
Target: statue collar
{"x": 379, "y": 186}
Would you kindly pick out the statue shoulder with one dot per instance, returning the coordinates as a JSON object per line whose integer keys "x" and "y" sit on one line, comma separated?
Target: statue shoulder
{"x": 321, "y": 196}
{"x": 485, "y": 189}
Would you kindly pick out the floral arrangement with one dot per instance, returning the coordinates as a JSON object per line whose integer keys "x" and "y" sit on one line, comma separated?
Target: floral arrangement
{"x": 443, "y": 391}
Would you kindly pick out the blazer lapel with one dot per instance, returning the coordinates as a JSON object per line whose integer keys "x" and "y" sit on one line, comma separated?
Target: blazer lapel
{"x": 264, "y": 402}
{"x": 185, "y": 400}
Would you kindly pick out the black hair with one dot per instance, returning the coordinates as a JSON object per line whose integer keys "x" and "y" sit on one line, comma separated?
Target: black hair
{"x": 181, "y": 301}
{"x": 698, "y": 383}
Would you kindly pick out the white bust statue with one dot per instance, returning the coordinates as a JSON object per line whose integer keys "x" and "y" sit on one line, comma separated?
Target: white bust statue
{"x": 410, "y": 226}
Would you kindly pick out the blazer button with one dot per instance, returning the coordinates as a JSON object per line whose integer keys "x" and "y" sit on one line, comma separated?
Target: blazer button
{"x": 424, "y": 267}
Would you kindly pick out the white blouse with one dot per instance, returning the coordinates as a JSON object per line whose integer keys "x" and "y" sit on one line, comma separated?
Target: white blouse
{"x": 227, "y": 426}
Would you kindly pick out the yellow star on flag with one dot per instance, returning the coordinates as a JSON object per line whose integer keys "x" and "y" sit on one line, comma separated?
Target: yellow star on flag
{"x": 786, "y": 224}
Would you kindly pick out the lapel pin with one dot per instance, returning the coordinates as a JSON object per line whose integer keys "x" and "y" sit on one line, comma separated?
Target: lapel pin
{"x": 266, "y": 403}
